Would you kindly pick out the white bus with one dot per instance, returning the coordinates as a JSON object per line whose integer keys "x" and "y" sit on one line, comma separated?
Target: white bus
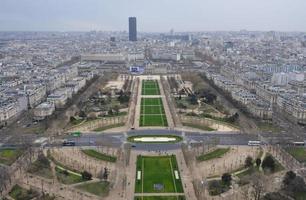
{"x": 298, "y": 143}
{"x": 254, "y": 143}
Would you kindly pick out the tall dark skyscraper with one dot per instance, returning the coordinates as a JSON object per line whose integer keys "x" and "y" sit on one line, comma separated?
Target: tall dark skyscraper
{"x": 132, "y": 29}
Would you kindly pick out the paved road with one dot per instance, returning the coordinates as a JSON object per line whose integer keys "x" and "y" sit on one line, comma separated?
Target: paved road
{"x": 118, "y": 139}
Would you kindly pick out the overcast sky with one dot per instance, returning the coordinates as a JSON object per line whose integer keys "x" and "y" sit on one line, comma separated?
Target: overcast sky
{"x": 152, "y": 15}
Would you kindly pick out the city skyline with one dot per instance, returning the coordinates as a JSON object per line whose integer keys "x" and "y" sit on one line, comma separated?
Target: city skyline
{"x": 157, "y": 16}
{"x": 152, "y": 100}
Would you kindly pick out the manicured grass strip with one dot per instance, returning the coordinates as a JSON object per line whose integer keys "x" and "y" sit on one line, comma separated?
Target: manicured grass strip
{"x": 100, "y": 188}
{"x": 100, "y": 156}
{"x": 108, "y": 127}
{"x": 153, "y": 120}
{"x": 198, "y": 126}
{"x": 150, "y": 87}
{"x": 161, "y": 198}
{"x": 158, "y": 109}
{"x": 298, "y": 153}
{"x": 151, "y": 101}
{"x": 67, "y": 177}
{"x": 157, "y": 170}
{"x": 218, "y": 153}
{"x": 152, "y": 112}
{"x": 132, "y": 138}
{"x": 9, "y": 156}
{"x": 138, "y": 183}
{"x": 178, "y": 182}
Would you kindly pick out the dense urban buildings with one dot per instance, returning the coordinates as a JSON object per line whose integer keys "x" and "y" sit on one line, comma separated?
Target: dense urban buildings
{"x": 173, "y": 116}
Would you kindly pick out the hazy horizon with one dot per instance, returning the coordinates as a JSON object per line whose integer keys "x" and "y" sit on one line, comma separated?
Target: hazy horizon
{"x": 153, "y": 16}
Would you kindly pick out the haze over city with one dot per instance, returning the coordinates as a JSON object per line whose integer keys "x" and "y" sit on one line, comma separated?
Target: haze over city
{"x": 154, "y": 16}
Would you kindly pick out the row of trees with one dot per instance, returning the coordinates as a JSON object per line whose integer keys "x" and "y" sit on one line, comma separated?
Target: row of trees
{"x": 124, "y": 97}
{"x": 204, "y": 95}
{"x": 293, "y": 187}
{"x": 4, "y": 178}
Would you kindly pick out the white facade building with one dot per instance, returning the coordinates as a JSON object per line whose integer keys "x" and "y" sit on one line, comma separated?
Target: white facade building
{"x": 43, "y": 110}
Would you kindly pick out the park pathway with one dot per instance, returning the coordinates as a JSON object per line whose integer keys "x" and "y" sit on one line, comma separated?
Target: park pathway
{"x": 166, "y": 105}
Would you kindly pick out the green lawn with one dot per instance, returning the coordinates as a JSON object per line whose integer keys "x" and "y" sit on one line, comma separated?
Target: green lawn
{"x": 177, "y": 138}
{"x": 157, "y": 170}
{"x": 153, "y": 120}
{"x": 218, "y": 153}
{"x": 151, "y": 101}
{"x": 9, "y": 156}
{"x": 19, "y": 193}
{"x": 150, "y": 87}
{"x": 198, "y": 126}
{"x": 100, "y": 156}
{"x": 298, "y": 153}
{"x": 100, "y": 188}
{"x": 152, "y": 109}
{"x": 67, "y": 177}
{"x": 108, "y": 127}
{"x": 161, "y": 198}
{"x": 152, "y": 112}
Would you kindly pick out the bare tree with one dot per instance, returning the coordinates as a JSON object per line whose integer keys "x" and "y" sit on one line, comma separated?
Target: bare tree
{"x": 245, "y": 192}
{"x": 4, "y": 178}
{"x": 258, "y": 186}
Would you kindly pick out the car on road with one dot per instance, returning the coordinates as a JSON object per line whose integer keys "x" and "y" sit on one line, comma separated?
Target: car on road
{"x": 76, "y": 134}
{"x": 69, "y": 143}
